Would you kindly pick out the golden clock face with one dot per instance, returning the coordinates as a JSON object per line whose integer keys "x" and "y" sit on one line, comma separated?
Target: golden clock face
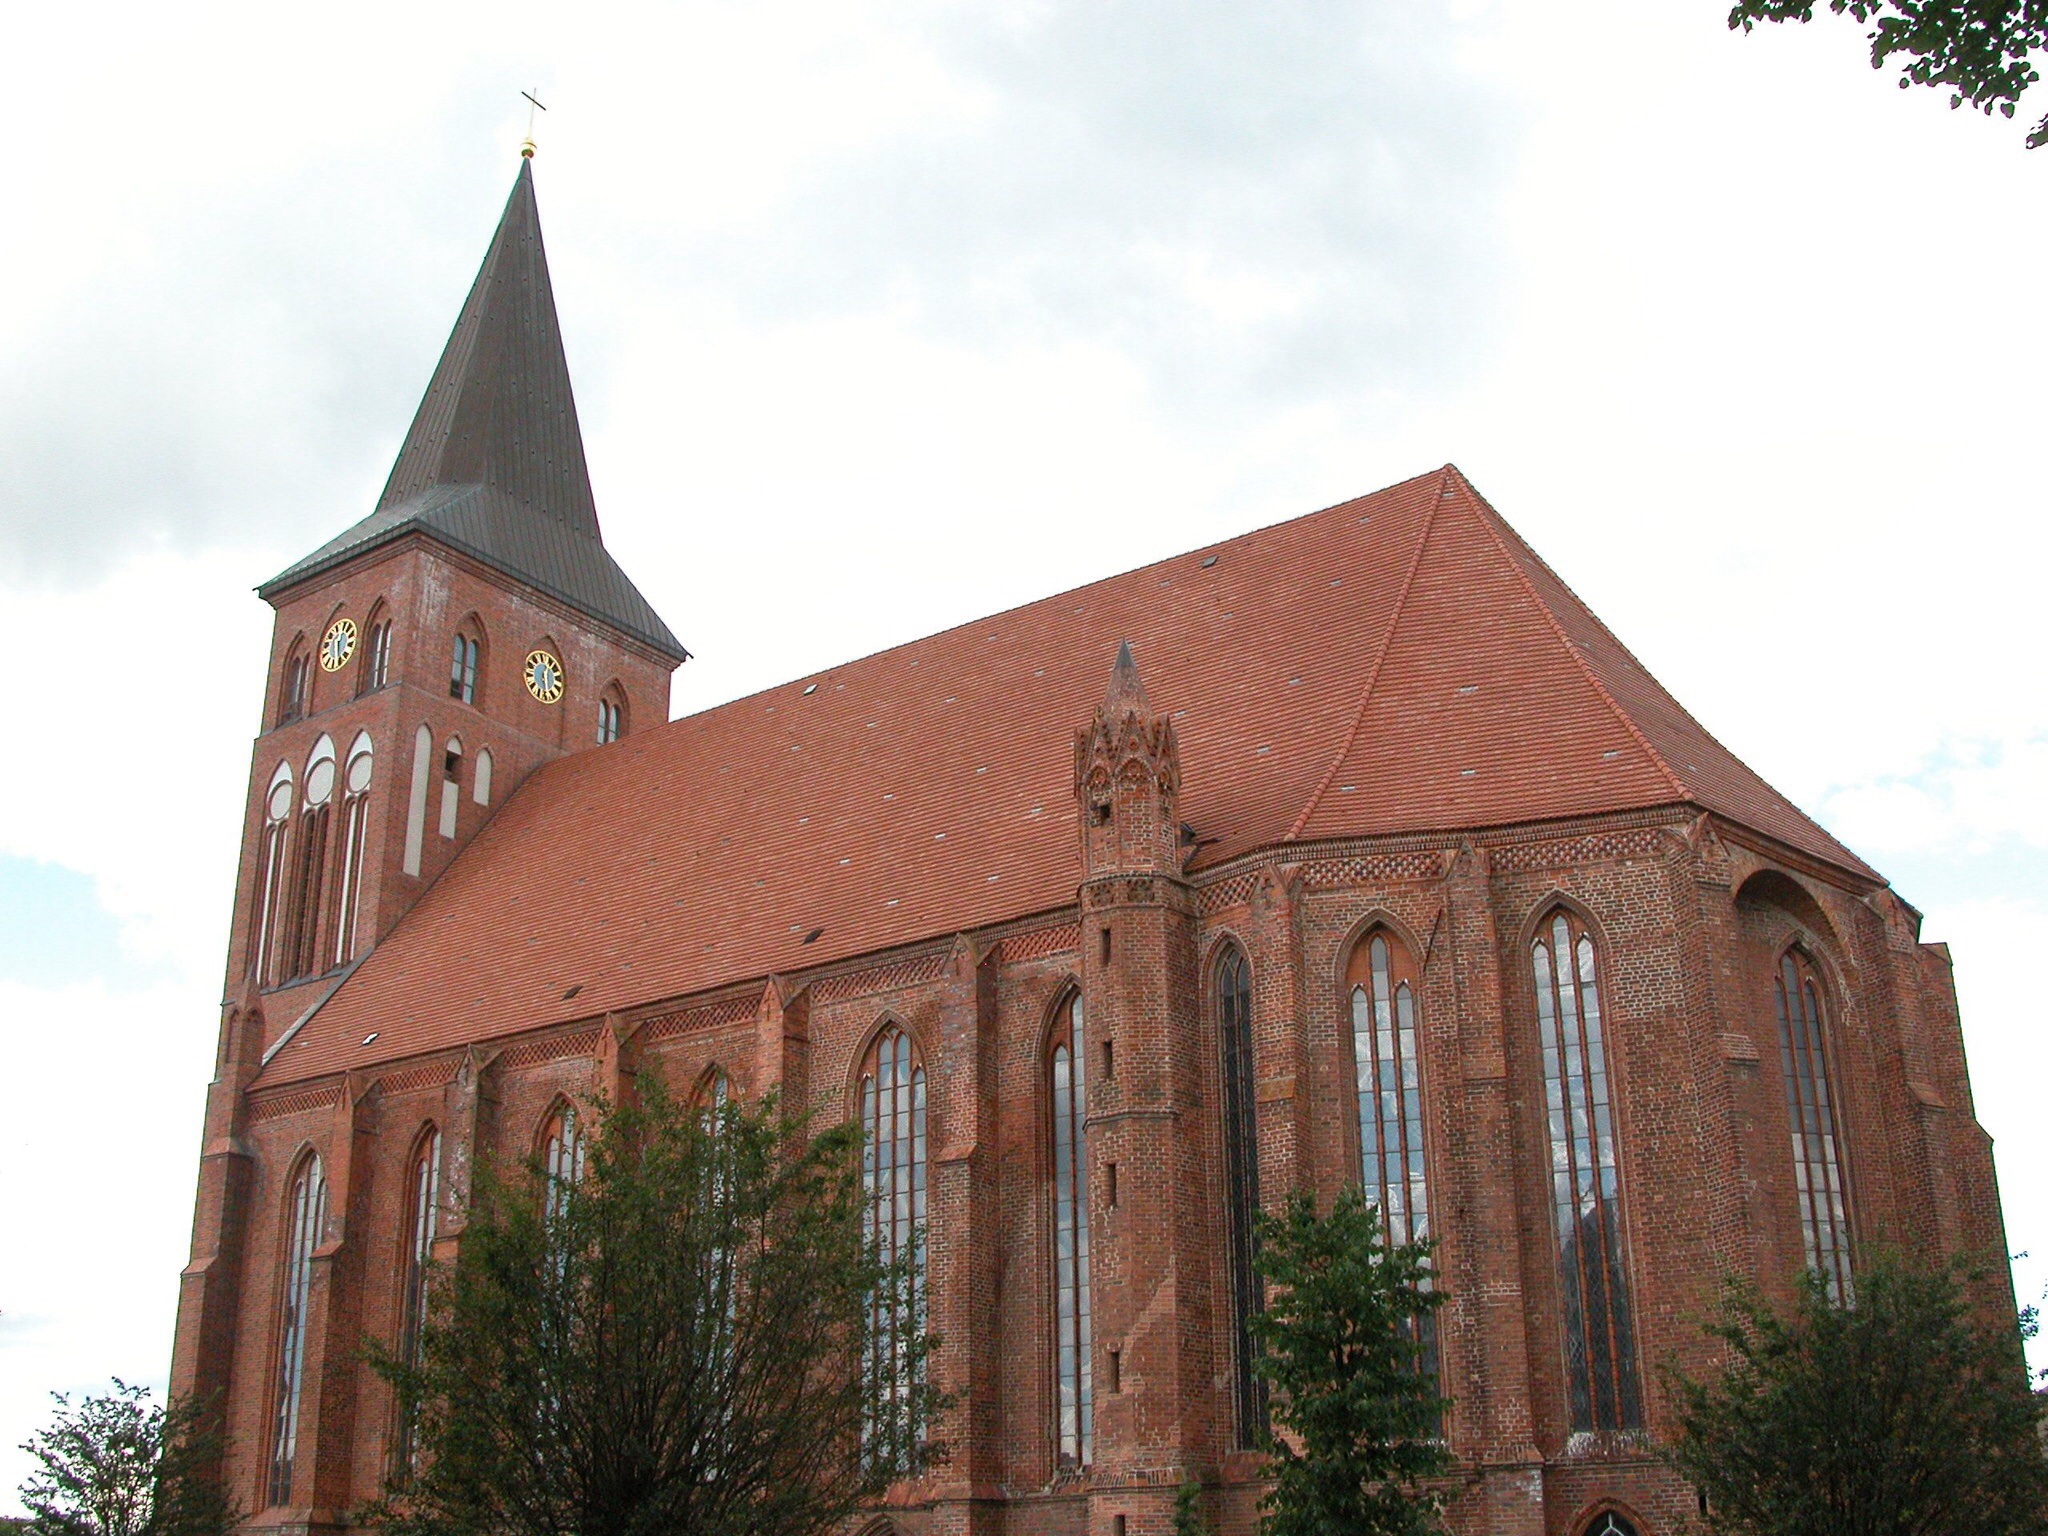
{"x": 338, "y": 645}
{"x": 544, "y": 677}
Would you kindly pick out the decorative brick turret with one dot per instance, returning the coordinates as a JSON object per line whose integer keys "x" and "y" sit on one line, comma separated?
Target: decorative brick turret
{"x": 1153, "y": 1368}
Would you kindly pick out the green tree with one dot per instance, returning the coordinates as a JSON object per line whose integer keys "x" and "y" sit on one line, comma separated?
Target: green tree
{"x": 1981, "y": 51}
{"x": 1187, "y": 1509}
{"x": 1343, "y": 1340}
{"x": 684, "y": 1341}
{"x": 1896, "y": 1413}
{"x": 119, "y": 1465}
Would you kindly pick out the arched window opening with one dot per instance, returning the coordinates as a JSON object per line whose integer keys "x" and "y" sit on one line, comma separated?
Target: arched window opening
{"x": 302, "y": 927}
{"x": 892, "y": 1110}
{"x": 374, "y": 670}
{"x": 1233, "y": 977}
{"x": 561, "y": 1156}
{"x": 611, "y": 715}
{"x": 305, "y": 1219}
{"x": 423, "y": 1207}
{"x": 1386, "y": 1048}
{"x": 355, "y": 823}
{"x": 295, "y": 698}
{"x": 1810, "y": 1112}
{"x": 1599, "y": 1329}
{"x": 1611, "y": 1523}
{"x": 451, "y": 784}
{"x": 480, "y": 780}
{"x": 1073, "y": 1323}
{"x": 462, "y": 671}
{"x": 277, "y": 821}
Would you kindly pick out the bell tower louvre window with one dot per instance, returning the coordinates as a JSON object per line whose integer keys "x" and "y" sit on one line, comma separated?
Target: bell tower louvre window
{"x": 1592, "y": 1257}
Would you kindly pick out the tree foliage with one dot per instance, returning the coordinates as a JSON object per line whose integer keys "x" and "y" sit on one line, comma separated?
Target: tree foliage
{"x": 1982, "y": 51}
{"x": 680, "y": 1343}
{"x": 1897, "y": 1413}
{"x": 1342, "y": 1341}
{"x": 119, "y": 1465}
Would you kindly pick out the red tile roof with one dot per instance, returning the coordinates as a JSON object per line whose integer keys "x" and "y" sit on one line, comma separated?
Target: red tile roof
{"x": 1399, "y": 663}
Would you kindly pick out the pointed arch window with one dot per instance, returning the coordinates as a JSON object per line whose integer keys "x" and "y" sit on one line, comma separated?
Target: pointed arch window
{"x": 1585, "y": 1181}
{"x": 295, "y": 698}
{"x": 1073, "y": 1309}
{"x": 302, "y": 945}
{"x": 355, "y": 821}
{"x": 1386, "y": 1044}
{"x": 305, "y": 1220}
{"x": 1611, "y": 1523}
{"x": 611, "y": 716}
{"x": 892, "y": 1111}
{"x": 561, "y": 1157}
{"x": 423, "y": 1209}
{"x": 462, "y": 670}
{"x": 374, "y": 670}
{"x": 1810, "y": 1113}
{"x": 1233, "y": 991}
{"x": 277, "y": 822}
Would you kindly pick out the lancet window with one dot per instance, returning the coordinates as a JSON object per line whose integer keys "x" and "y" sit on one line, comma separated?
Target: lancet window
{"x": 374, "y": 670}
{"x": 301, "y": 938}
{"x": 423, "y": 1209}
{"x": 462, "y": 670}
{"x": 295, "y": 698}
{"x": 1233, "y": 994}
{"x": 561, "y": 1156}
{"x": 355, "y": 820}
{"x": 1386, "y": 1048}
{"x": 892, "y": 1110}
{"x": 1810, "y": 1113}
{"x": 1073, "y": 1326}
{"x": 277, "y": 823}
{"x": 611, "y": 715}
{"x": 305, "y": 1218}
{"x": 1601, "y": 1378}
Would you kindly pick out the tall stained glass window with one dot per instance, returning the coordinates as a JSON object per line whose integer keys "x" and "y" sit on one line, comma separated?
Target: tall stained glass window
{"x": 1241, "y": 1187}
{"x": 561, "y": 1156}
{"x": 1810, "y": 1112}
{"x": 1073, "y": 1332}
{"x": 423, "y": 1213}
{"x": 1386, "y": 1049}
{"x": 892, "y": 1107}
{"x": 1601, "y": 1379}
{"x": 305, "y": 1219}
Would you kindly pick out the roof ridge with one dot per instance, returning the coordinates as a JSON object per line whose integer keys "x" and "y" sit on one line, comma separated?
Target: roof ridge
{"x": 1372, "y": 676}
{"x": 1490, "y": 521}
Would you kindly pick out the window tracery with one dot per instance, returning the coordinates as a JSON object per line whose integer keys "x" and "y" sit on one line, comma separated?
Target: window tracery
{"x": 611, "y": 715}
{"x": 892, "y": 1109}
{"x": 354, "y": 829}
{"x": 1233, "y": 992}
{"x": 1386, "y": 1044}
{"x": 1810, "y": 1114}
{"x": 1073, "y": 1321}
{"x": 1599, "y": 1328}
{"x": 305, "y": 1220}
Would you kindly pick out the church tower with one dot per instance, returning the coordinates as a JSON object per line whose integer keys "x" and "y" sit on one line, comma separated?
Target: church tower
{"x": 423, "y": 663}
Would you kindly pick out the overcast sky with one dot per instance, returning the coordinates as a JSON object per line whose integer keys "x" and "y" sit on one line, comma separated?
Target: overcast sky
{"x": 885, "y": 316}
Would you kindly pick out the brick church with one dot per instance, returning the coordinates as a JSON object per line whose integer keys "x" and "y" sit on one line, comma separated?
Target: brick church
{"x": 1352, "y": 849}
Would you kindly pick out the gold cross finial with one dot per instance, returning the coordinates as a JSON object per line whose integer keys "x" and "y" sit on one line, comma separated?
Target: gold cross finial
{"x": 533, "y": 105}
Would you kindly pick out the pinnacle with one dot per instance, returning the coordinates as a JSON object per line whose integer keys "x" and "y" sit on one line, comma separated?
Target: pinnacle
{"x": 1126, "y": 692}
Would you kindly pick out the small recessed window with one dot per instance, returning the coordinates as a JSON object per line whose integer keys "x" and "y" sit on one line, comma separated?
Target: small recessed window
{"x": 462, "y": 671}
{"x": 609, "y": 717}
{"x": 1108, "y": 944}
{"x": 1110, "y": 1180}
{"x": 1116, "y": 1377}
{"x": 1109, "y": 1058}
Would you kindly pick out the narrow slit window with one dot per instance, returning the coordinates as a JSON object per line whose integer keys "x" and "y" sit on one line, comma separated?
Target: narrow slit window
{"x": 1601, "y": 1380}
{"x": 1074, "y": 1338}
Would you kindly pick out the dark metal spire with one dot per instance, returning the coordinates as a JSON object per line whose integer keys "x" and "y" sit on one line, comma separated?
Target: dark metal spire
{"x": 493, "y": 464}
{"x": 500, "y": 411}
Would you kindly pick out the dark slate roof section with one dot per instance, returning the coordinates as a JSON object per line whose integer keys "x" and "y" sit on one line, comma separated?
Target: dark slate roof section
{"x": 499, "y": 411}
{"x": 493, "y": 464}
{"x": 487, "y": 525}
